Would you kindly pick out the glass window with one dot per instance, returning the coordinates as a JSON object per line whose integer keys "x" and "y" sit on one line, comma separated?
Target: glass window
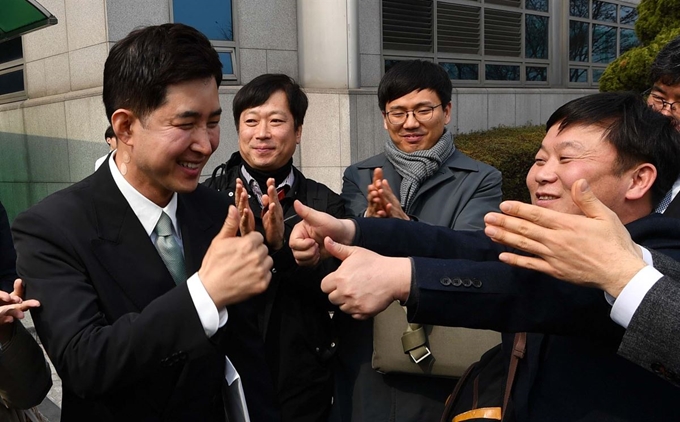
{"x": 628, "y": 40}
{"x": 578, "y": 8}
{"x": 461, "y": 71}
{"x": 211, "y": 17}
{"x": 214, "y": 18}
{"x": 578, "y": 41}
{"x": 540, "y": 5}
{"x": 604, "y": 43}
{"x": 578, "y": 74}
{"x": 497, "y": 72}
{"x": 603, "y": 11}
{"x": 11, "y": 70}
{"x": 628, "y": 15}
{"x": 536, "y": 38}
{"x": 537, "y": 74}
{"x": 597, "y": 74}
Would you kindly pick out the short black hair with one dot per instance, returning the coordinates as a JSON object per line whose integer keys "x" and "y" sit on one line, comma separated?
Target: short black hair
{"x": 109, "y": 133}
{"x": 666, "y": 66}
{"x": 638, "y": 133}
{"x": 141, "y": 66}
{"x": 414, "y": 75}
{"x": 257, "y": 92}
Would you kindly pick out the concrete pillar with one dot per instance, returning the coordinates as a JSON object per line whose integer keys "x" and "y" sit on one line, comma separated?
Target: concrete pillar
{"x": 328, "y": 43}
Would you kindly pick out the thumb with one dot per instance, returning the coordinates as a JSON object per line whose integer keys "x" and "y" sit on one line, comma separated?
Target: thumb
{"x": 18, "y": 288}
{"x": 306, "y": 213}
{"x": 230, "y": 226}
{"x": 585, "y": 199}
{"x": 336, "y": 249}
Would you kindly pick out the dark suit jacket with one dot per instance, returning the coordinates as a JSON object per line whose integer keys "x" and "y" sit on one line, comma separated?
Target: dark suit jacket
{"x": 571, "y": 371}
{"x": 126, "y": 342}
{"x": 652, "y": 338}
{"x": 8, "y": 257}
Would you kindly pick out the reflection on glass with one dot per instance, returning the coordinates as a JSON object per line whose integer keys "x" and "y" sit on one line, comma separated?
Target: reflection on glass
{"x": 628, "y": 15}
{"x": 540, "y": 5}
{"x": 499, "y": 72}
{"x": 603, "y": 11}
{"x": 536, "y": 38}
{"x": 577, "y": 74}
{"x": 11, "y": 50}
{"x": 578, "y": 41}
{"x": 578, "y": 8}
{"x": 628, "y": 40}
{"x": 462, "y": 71}
{"x": 604, "y": 43}
{"x": 211, "y": 17}
{"x": 227, "y": 66}
{"x": 597, "y": 74}
{"x": 12, "y": 82}
{"x": 537, "y": 74}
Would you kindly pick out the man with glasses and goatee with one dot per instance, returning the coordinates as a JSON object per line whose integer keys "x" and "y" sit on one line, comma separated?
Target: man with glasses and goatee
{"x": 664, "y": 97}
{"x": 421, "y": 175}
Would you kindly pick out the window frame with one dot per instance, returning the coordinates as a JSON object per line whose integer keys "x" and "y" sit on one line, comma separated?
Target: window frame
{"x": 222, "y": 46}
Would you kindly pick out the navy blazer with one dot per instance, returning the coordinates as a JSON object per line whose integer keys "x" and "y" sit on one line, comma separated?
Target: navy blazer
{"x": 128, "y": 343}
{"x": 571, "y": 371}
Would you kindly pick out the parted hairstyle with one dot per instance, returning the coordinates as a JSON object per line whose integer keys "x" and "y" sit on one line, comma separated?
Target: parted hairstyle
{"x": 257, "y": 92}
{"x": 141, "y": 66}
{"x": 638, "y": 133}
{"x": 666, "y": 65}
{"x": 414, "y": 75}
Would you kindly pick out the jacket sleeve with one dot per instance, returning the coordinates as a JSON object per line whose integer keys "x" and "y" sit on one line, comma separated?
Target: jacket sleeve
{"x": 488, "y": 194}
{"x": 25, "y": 377}
{"x": 7, "y": 255}
{"x": 353, "y": 193}
{"x": 652, "y": 339}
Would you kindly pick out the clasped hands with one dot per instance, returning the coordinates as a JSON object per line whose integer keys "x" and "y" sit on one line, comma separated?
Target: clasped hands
{"x": 365, "y": 283}
{"x": 382, "y": 202}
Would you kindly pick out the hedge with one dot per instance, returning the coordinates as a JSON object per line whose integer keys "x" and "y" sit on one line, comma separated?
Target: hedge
{"x": 510, "y": 150}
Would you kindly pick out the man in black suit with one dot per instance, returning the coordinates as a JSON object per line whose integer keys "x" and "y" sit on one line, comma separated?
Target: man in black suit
{"x": 570, "y": 371}
{"x": 135, "y": 266}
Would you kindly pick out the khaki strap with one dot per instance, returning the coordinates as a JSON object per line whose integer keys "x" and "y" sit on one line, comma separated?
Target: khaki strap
{"x": 414, "y": 342}
{"x": 484, "y": 412}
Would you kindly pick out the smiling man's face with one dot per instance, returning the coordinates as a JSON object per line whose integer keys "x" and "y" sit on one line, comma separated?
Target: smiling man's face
{"x": 578, "y": 152}
{"x": 413, "y": 135}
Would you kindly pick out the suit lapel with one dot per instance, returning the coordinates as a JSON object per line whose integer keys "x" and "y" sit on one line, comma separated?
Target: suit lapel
{"x": 198, "y": 230}
{"x": 123, "y": 247}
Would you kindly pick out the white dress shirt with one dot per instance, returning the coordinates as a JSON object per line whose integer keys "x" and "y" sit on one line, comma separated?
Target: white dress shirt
{"x": 631, "y": 296}
{"x": 211, "y": 318}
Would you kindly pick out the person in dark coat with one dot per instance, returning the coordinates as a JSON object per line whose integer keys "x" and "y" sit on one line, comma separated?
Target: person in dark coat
{"x": 293, "y": 314}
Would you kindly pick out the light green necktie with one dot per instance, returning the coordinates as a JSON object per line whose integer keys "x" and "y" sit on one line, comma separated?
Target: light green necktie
{"x": 169, "y": 249}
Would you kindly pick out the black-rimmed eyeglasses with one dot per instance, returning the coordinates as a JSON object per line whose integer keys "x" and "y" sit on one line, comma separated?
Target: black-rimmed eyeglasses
{"x": 421, "y": 114}
{"x": 659, "y": 104}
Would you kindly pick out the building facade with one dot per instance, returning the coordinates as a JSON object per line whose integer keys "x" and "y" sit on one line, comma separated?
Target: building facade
{"x": 512, "y": 62}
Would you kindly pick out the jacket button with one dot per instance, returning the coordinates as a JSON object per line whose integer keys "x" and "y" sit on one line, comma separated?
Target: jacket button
{"x": 445, "y": 281}
{"x": 476, "y": 283}
{"x": 467, "y": 282}
{"x": 231, "y": 194}
{"x": 457, "y": 282}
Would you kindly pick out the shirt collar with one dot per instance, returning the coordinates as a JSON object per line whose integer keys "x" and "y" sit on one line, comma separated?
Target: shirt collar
{"x": 146, "y": 211}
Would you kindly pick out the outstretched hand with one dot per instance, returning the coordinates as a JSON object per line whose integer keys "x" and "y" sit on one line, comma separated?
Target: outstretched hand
{"x": 382, "y": 202}
{"x": 12, "y": 305}
{"x": 576, "y": 248}
{"x": 365, "y": 283}
{"x": 307, "y": 238}
{"x": 272, "y": 217}
{"x": 247, "y": 220}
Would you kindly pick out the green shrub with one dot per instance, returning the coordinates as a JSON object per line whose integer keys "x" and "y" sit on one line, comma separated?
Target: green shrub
{"x": 654, "y": 17}
{"x": 630, "y": 72}
{"x": 510, "y": 150}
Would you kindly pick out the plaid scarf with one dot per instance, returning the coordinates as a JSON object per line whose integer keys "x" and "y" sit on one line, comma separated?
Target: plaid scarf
{"x": 416, "y": 167}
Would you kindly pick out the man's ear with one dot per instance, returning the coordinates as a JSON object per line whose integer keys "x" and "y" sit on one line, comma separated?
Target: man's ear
{"x": 122, "y": 121}
{"x": 298, "y": 135}
{"x": 642, "y": 178}
{"x": 447, "y": 113}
